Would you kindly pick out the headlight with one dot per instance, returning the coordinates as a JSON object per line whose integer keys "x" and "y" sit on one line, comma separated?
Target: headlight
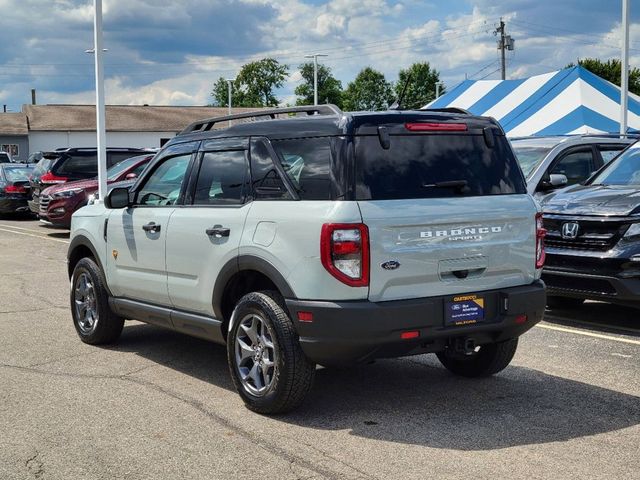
{"x": 67, "y": 193}
{"x": 633, "y": 230}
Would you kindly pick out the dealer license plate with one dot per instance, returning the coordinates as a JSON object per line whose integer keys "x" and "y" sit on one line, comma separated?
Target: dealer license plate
{"x": 464, "y": 310}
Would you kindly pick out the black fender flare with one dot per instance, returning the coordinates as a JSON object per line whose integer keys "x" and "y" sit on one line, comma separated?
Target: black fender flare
{"x": 83, "y": 241}
{"x": 239, "y": 264}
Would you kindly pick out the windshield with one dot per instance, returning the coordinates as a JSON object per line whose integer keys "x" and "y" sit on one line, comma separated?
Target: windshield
{"x": 529, "y": 157}
{"x": 114, "y": 172}
{"x": 17, "y": 173}
{"x": 624, "y": 170}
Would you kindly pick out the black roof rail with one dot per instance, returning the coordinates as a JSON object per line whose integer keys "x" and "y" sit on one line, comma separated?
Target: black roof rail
{"x": 448, "y": 110}
{"x": 208, "y": 123}
{"x": 611, "y": 135}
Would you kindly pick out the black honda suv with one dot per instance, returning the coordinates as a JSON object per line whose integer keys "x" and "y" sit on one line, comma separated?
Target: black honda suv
{"x": 593, "y": 237}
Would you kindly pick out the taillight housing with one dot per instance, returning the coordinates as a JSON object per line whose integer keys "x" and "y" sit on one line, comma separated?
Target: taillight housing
{"x": 540, "y": 233}
{"x": 344, "y": 251}
{"x": 15, "y": 189}
{"x": 51, "y": 178}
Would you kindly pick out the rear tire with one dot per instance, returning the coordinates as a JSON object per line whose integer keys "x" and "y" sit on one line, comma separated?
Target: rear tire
{"x": 95, "y": 323}
{"x": 267, "y": 364}
{"x": 563, "y": 303}
{"x": 488, "y": 360}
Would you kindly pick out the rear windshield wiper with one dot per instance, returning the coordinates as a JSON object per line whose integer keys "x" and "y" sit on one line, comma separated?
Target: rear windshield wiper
{"x": 455, "y": 184}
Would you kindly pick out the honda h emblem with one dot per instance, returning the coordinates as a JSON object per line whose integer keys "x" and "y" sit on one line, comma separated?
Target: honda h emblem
{"x": 570, "y": 230}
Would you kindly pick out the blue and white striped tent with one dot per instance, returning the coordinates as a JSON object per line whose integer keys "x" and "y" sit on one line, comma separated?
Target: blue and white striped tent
{"x": 568, "y": 101}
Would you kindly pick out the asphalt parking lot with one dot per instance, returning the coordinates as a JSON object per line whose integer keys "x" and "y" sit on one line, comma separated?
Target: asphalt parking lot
{"x": 161, "y": 405}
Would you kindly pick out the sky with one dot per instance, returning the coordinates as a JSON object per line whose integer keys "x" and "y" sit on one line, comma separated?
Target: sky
{"x": 170, "y": 52}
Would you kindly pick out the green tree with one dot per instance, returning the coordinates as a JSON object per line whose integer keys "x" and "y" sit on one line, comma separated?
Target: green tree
{"x": 329, "y": 88}
{"x": 220, "y": 93}
{"x": 611, "y": 70}
{"x": 421, "y": 89}
{"x": 369, "y": 91}
{"x": 254, "y": 85}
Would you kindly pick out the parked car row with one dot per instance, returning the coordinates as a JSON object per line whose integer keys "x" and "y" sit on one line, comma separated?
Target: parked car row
{"x": 62, "y": 181}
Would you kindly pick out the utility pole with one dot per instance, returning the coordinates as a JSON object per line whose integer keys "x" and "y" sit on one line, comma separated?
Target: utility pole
{"x": 438, "y": 85}
{"x": 624, "y": 81}
{"x": 229, "y": 82}
{"x": 505, "y": 43}
{"x": 315, "y": 74}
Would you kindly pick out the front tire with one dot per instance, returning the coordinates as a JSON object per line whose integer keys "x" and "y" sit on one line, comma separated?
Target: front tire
{"x": 95, "y": 323}
{"x": 268, "y": 366}
{"x": 488, "y": 360}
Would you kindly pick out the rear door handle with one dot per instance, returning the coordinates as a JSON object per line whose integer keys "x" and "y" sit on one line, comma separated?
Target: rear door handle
{"x": 151, "y": 227}
{"x": 218, "y": 231}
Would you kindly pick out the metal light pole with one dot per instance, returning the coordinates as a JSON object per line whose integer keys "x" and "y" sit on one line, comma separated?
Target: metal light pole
{"x": 315, "y": 74}
{"x": 100, "y": 109}
{"x": 229, "y": 82}
{"x": 438, "y": 85}
{"x": 624, "y": 81}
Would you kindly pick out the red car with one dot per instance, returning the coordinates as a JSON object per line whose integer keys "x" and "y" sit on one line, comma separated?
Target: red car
{"x": 58, "y": 202}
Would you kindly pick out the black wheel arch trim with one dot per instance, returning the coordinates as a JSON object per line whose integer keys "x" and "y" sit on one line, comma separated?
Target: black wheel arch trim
{"x": 243, "y": 263}
{"x": 83, "y": 241}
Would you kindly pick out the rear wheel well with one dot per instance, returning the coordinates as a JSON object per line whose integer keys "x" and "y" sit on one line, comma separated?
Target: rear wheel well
{"x": 243, "y": 282}
{"x": 78, "y": 253}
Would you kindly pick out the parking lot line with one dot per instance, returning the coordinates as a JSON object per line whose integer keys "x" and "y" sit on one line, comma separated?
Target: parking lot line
{"x": 31, "y": 234}
{"x": 589, "y": 334}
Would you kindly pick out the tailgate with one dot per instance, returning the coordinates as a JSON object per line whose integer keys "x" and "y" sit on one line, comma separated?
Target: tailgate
{"x": 429, "y": 247}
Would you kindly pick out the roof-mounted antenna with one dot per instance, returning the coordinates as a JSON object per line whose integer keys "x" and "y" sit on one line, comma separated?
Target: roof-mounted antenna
{"x": 397, "y": 105}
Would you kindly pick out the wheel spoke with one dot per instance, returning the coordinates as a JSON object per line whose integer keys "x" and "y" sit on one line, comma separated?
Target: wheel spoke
{"x": 244, "y": 350}
{"x": 255, "y": 375}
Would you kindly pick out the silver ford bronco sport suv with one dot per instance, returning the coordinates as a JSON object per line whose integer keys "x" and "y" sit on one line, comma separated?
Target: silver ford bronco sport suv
{"x": 314, "y": 236}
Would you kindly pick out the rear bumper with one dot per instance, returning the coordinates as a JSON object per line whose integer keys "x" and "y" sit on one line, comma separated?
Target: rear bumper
{"x": 357, "y": 331}
{"x": 13, "y": 205}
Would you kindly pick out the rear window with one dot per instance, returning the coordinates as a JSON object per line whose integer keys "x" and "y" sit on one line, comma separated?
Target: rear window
{"x": 17, "y": 174}
{"x": 83, "y": 165}
{"x": 4, "y": 158}
{"x": 435, "y": 166}
{"x": 43, "y": 166}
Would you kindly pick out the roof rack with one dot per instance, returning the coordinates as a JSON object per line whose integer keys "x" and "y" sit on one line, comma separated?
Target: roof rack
{"x": 208, "y": 123}
{"x": 448, "y": 110}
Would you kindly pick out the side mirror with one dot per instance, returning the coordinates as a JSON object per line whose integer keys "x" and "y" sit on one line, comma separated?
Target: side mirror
{"x": 558, "y": 180}
{"x": 130, "y": 176}
{"x": 553, "y": 181}
{"x": 117, "y": 198}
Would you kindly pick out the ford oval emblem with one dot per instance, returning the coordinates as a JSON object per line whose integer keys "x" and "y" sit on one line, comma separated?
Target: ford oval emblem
{"x": 390, "y": 265}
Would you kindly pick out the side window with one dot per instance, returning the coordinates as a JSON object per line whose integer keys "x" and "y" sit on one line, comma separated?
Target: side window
{"x": 576, "y": 166}
{"x": 266, "y": 180}
{"x": 307, "y": 163}
{"x": 609, "y": 152}
{"x": 164, "y": 184}
{"x": 222, "y": 177}
{"x": 138, "y": 170}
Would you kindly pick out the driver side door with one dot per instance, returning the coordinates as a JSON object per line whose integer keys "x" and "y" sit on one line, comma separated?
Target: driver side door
{"x": 136, "y": 236}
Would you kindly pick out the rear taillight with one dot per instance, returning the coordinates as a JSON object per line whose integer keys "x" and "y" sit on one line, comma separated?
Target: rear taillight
{"x": 436, "y": 127}
{"x": 51, "y": 178}
{"x": 15, "y": 189}
{"x": 540, "y": 233}
{"x": 344, "y": 251}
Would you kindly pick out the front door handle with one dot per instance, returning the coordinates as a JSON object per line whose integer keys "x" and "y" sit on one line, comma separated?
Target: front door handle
{"x": 218, "y": 231}
{"x": 151, "y": 227}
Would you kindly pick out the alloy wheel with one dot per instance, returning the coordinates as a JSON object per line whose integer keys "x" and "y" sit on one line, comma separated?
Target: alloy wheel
{"x": 255, "y": 355}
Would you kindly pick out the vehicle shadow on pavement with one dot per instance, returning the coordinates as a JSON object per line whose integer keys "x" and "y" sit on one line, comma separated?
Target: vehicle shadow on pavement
{"x": 416, "y": 401}
{"x": 599, "y": 317}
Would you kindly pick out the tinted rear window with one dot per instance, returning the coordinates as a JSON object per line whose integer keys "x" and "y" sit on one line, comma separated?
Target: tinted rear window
{"x": 4, "y": 158}
{"x": 83, "y": 165}
{"x": 415, "y": 166}
{"x": 42, "y": 166}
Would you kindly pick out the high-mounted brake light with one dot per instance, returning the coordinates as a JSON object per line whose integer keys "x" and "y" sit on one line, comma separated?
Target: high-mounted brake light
{"x": 540, "y": 233}
{"x": 15, "y": 189}
{"x": 344, "y": 251}
{"x": 436, "y": 127}
{"x": 51, "y": 178}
